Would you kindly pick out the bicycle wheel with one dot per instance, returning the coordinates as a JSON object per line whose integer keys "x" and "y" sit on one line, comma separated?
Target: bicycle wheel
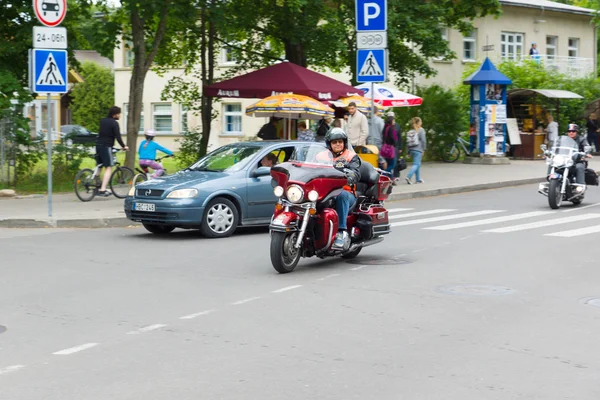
{"x": 85, "y": 187}
{"x": 139, "y": 178}
{"x": 450, "y": 153}
{"x": 120, "y": 181}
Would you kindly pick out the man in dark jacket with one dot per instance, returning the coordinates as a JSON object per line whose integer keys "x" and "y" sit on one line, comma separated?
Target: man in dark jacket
{"x": 573, "y": 133}
{"x": 109, "y": 131}
{"x": 269, "y": 130}
{"x": 398, "y": 147}
{"x": 592, "y": 131}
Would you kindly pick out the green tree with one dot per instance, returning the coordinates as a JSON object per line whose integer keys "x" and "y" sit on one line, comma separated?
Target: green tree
{"x": 94, "y": 96}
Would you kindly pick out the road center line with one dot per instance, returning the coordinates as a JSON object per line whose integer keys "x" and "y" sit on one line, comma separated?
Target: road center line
{"x": 245, "y": 301}
{"x": 146, "y": 329}
{"x": 328, "y": 276}
{"x": 75, "y": 349}
{"x": 11, "y": 368}
{"x": 285, "y": 289}
{"x": 357, "y": 268}
{"x": 197, "y": 314}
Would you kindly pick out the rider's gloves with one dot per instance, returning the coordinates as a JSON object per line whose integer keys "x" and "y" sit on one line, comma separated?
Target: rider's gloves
{"x": 351, "y": 178}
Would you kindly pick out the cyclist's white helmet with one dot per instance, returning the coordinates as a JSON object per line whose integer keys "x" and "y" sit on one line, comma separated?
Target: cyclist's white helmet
{"x": 150, "y": 133}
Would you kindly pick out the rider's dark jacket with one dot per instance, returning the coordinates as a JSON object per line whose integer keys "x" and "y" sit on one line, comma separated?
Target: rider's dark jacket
{"x": 582, "y": 143}
{"x": 351, "y": 163}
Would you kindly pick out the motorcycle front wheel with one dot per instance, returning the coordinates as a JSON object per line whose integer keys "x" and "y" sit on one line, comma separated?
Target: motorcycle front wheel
{"x": 554, "y": 194}
{"x": 284, "y": 256}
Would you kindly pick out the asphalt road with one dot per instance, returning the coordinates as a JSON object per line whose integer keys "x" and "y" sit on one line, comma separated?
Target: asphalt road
{"x": 485, "y": 295}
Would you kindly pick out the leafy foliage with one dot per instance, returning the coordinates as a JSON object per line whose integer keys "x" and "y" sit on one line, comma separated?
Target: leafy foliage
{"x": 93, "y": 97}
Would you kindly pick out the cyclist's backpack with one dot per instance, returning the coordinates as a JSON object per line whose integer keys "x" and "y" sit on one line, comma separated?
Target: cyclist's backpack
{"x": 412, "y": 138}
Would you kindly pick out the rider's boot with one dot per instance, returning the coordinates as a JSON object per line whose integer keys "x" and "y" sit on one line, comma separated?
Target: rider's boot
{"x": 340, "y": 240}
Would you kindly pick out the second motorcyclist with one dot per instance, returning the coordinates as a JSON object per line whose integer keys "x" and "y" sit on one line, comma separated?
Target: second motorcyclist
{"x": 573, "y": 133}
{"x": 347, "y": 161}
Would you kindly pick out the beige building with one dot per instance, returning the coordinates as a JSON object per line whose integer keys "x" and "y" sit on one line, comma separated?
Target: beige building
{"x": 565, "y": 38}
{"x": 564, "y": 35}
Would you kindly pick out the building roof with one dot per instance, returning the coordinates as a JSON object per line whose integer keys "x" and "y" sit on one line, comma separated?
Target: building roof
{"x": 95, "y": 57}
{"x": 548, "y": 5}
{"x": 487, "y": 73}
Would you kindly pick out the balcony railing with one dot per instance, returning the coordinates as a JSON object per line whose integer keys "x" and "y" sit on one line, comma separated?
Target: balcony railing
{"x": 576, "y": 67}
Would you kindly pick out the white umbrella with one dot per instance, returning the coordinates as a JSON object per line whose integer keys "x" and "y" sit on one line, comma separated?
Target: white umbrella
{"x": 387, "y": 97}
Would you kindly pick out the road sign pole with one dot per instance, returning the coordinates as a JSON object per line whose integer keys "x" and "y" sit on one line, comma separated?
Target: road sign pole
{"x": 372, "y": 100}
{"x": 49, "y": 138}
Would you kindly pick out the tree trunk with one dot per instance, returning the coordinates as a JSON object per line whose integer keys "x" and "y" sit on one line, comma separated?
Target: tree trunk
{"x": 294, "y": 53}
{"x": 207, "y": 56}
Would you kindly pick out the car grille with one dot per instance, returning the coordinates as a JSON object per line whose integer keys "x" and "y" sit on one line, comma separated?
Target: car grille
{"x": 146, "y": 216}
{"x": 149, "y": 193}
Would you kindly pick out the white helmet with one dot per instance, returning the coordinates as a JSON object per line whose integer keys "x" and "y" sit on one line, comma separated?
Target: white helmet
{"x": 150, "y": 133}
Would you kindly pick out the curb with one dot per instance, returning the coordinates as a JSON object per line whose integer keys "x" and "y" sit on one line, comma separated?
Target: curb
{"x": 118, "y": 222}
{"x": 462, "y": 189}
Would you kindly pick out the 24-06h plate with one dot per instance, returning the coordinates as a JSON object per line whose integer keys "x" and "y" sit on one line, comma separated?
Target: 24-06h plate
{"x": 144, "y": 207}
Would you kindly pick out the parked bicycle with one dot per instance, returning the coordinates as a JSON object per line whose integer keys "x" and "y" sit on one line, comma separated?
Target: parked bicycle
{"x": 144, "y": 174}
{"x": 87, "y": 182}
{"x": 451, "y": 152}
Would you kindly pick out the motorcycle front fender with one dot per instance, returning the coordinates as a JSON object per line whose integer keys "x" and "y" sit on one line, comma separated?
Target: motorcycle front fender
{"x": 286, "y": 221}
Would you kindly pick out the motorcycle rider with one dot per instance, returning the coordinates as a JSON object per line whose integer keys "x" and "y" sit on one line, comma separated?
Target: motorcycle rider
{"x": 347, "y": 161}
{"x": 573, "y": 133}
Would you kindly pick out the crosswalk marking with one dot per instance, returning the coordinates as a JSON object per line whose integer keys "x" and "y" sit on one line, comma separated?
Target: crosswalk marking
{"x": 489, "y": 220}
{"x": 540, "y": 224}
{"x": 421, "y": 213}
{"x": 446, "y": 217}
{"x": 576, "y": 232}
{"x": 391, "y": 210}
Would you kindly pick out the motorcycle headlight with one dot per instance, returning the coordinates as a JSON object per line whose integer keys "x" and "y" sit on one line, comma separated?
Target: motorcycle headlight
{"x": 570, "y": 162}
{"x": 278, "y": 191}
{"x": 183, "y": 194}
{"x": 313, "y": 195}
{"x": 558, "y": 160}
{"x": 295, "y": 194}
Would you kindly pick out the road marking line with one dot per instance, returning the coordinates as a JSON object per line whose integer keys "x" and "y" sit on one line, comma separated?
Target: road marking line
{"x": 581, "y": 208}
{"x": 75, "y": 349}
{"x": 420, "y": 213}
{"x": 489, "y": 221}
{"x": 576, "y": 232}
{"x": 328, "y": 276}
{"x": 146, "y": 329}
{"x": 540, "y": 224}
{"x": 245, "y": 301}
{"x": 418, "y": 250}
{"x": 357, "y": 268}
{"x": 446, "y": 217}
{"x": 12, "y": 368}
{"x": 399, "y": 209}
{"x": 285, "y": 289}
{"x": 464, "y": 238}
{"x": 197, "y": 314}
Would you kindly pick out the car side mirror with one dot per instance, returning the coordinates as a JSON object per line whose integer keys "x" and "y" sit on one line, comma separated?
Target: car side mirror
{"x": 543, "y": 147}
{"x": 261, "y": 171}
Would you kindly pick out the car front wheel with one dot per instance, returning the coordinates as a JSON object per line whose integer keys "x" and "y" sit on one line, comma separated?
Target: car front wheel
{"x": 220, "y": 218}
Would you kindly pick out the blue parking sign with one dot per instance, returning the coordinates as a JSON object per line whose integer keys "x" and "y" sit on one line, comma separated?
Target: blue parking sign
{"x": 48, "y": 71}
{"x": 370, "y": 65}
{"x": 371, "y": 15}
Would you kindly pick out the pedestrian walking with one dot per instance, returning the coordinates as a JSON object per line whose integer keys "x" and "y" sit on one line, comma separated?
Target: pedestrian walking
{"x": 416, "y": 142}
{"x": 305, "y": 134}
{"x": 357, "y": 126}
{"x": 400, "y": 164}
{"x": 390, "y": 139}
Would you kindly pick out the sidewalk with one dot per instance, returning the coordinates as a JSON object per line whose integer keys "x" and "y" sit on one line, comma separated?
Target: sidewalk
{"x": 440, "y": 179}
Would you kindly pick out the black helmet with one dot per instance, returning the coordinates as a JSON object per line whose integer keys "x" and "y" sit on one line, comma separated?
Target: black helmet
{"x": 335, "y": 134}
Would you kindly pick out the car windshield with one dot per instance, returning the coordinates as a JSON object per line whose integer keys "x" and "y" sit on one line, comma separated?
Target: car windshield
{"x": 229, "y": 158}
{"x": 313, "y": 154}
{"x": 565, "y": 145}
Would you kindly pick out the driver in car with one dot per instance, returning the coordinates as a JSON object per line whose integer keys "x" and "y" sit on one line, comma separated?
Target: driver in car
{"x": 348, "y": 162}
{"x": 269, "y": 160}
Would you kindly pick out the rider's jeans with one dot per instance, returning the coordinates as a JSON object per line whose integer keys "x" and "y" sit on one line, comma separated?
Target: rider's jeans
{"x": 343, "y": 202}
{"x": 579, "y": 172}
{"x": 157, "y": 167}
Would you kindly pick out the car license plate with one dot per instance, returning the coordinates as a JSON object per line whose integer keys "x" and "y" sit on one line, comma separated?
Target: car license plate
{"x": 144, "y": 207}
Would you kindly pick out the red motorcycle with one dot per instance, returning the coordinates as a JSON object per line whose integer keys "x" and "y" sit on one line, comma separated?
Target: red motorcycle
{"x": 305, "y": 221}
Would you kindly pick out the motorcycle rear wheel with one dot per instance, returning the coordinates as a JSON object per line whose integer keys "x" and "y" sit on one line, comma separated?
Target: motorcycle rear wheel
{"x": 554, "y": 195}
{"x": 284, "y": 256}
{"x": 351, "y": 254}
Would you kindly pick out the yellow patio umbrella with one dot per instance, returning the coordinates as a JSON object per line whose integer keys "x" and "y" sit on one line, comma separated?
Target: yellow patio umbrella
{"x": 292, "y": 106}
{"x": 363, "y": 104}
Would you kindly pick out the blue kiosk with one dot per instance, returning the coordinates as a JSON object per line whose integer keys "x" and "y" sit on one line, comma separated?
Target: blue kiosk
{"x": 488, "y": 114}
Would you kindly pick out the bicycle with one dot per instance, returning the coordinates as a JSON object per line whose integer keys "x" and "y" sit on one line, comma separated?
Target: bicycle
{"x": 87, "y": 182}
{"x": 143, "y": 175}
{"x": 451, "y": 152}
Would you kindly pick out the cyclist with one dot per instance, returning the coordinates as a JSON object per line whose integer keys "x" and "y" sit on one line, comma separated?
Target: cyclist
{"x": 109, "y": 131}
{"x": 147, "y": 153}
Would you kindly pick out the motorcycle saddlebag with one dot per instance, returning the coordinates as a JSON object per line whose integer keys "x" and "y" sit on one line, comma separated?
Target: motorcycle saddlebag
{"x": 591, "y": 177}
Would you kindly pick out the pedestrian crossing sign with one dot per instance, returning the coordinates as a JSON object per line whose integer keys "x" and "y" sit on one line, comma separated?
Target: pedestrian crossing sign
{"x": 371, "y": 65}
{"x": 48, "y": 71}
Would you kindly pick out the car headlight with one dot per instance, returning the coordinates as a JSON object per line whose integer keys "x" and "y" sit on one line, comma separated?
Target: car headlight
{"x": 278, "y": 191}
{"x": 295, "y": 194}
{"x": 313, "y": 195}
{"x": 183, "y": 194}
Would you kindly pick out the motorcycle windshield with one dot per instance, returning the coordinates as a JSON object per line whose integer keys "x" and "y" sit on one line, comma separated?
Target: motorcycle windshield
{"x": 313, "y": 161}
{"x": 564, "y": 145}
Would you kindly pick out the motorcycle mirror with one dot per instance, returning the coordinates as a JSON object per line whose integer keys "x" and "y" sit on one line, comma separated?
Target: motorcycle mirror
{"x": 543, "y": 147}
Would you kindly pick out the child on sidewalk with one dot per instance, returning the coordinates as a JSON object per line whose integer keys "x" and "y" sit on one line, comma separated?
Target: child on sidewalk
{"x": 147, "y": 153}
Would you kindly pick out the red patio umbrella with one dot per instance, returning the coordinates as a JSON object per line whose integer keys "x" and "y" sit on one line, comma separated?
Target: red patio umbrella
{"x": 282, "y": 78}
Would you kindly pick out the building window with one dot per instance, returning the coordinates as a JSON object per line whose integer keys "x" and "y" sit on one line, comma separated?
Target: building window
{"x": 227, "y": 57}
{"x": 126, "y": 113}
{"x": 573, "y": 47}
{"x": 470, "y": 46}
{"x": 129, "y": 56}
{"x": 551, "y": 46}
{"x": 232, "y": 118}
{"x": 162, "y": 118}
{"x": 512, "y": 45}
{"x": 184, "y": 118}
